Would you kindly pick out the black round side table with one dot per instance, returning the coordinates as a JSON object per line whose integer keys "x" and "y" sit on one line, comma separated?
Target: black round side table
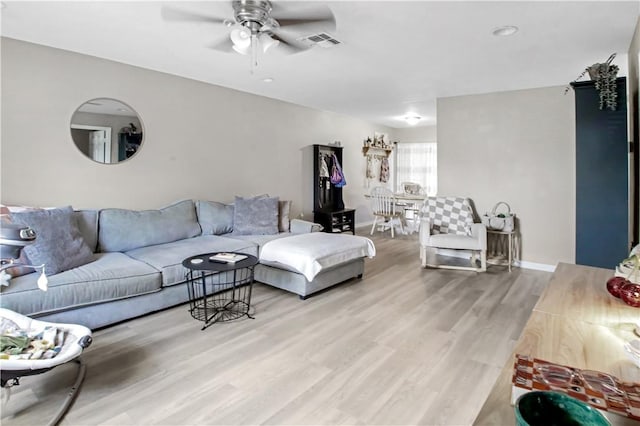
{"x": 219, "y": 291}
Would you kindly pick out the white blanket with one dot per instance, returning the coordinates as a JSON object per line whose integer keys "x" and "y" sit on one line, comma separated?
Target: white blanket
{"x": 310, "y": 253}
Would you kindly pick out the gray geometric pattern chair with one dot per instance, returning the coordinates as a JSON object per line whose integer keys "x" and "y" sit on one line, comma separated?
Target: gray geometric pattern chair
{"x": 447, "y": 223}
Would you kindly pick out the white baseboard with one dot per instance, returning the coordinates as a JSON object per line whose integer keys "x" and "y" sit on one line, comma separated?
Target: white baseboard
{"x": 536, "y": 266}
{"x": 462, "y": 254}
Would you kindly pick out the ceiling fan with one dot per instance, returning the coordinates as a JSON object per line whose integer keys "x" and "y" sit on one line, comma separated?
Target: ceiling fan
{"x": 259, "y": 25}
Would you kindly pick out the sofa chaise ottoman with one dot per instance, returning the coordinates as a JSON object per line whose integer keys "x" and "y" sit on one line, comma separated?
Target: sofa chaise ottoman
{"x": 307, "y": 263}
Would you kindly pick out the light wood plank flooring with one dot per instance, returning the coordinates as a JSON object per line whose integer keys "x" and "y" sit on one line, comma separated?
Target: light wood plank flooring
{"x": 402, "y": 346}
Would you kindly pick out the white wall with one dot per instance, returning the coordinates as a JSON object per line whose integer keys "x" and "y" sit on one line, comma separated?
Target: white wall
{"x": 517, "y": 147}
{"x": 416, "y": 134}
{"x": 201, "y": 141}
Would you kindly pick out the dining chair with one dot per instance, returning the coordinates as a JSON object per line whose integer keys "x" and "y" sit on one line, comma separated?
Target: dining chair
{"x": 412, "y": 208}
{"x": 411, "y": 188}
{"x": 383, "y": 205}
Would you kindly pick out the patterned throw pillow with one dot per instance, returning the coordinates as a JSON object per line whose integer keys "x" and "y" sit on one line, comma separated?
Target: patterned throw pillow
{"x": 449, "y": 215}
{"x": 59, "y": 244}
{"x": 255, "y": 216}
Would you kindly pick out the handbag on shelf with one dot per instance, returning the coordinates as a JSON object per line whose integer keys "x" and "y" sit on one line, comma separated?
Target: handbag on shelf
{"x": 499, "y": 221}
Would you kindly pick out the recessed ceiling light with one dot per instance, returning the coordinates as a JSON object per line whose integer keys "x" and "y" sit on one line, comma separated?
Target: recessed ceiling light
{"x": 268, "y": 80}
{"x": 412, "y": 120}
{"x": 507, "y": 30}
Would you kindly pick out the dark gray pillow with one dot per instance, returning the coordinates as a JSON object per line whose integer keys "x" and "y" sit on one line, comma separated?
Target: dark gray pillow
{"x": 214, "y": 218}
{"x": 284, "y": 209}
{"x": 59, "y": 243}
{"x": 255, "y": 216}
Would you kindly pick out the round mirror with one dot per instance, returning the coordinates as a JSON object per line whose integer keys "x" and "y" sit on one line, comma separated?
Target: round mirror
{"x": 106, "y": 130}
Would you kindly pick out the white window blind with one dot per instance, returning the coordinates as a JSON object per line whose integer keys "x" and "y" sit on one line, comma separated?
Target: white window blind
{"x": 418, "y": 163}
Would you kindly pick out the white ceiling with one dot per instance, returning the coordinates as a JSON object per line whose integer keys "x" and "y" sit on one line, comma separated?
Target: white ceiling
{"x": 397, "y": 57}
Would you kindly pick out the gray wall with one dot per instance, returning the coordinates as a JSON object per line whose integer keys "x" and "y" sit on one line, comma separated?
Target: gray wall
{"x": 517, "y": 147}
{"x": 201, "y": 141}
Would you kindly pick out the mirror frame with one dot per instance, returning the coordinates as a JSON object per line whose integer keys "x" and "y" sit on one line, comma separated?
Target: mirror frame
{"x": 107, "y": 140}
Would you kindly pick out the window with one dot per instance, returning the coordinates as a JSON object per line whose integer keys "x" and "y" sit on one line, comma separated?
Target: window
{"x": 417, "y": 162}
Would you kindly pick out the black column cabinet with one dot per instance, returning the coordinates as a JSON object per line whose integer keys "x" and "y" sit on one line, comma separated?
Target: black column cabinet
{"x": 128, "y": 144}
{"x": 328, "y": 206}
{"x": 602, "y": 178}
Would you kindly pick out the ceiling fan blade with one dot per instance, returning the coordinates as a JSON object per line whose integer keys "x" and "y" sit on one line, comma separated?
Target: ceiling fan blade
{"x": 171, "y": 14}
{"x": 289, "y": 44}
{"x": 327, "y": 23}
{"x": 224, "y": 44}
{"x": 319, "y": 17}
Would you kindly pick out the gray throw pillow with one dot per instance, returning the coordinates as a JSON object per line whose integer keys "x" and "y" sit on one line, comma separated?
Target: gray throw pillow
{"x": 284, "y": 208}
{"x": 59, "y": 243}
{"x": 255, "y": 216}
{"x": 214, "y": 218}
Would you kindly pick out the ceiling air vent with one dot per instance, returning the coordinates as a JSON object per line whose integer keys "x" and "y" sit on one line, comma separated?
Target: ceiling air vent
{"x": 321, "y": 39}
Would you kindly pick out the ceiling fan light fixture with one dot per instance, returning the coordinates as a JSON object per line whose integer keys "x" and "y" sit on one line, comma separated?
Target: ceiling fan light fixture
{"x": 505, "y": 31}
{"x": 240, "y": 37}
{"x": 412, "y": 120}
{"x": 267, "y": 42}
{"x": 241, "y": 50}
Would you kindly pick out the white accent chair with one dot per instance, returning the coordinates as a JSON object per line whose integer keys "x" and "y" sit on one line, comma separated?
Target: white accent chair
{"x": 447, "y": 223}
{"x": 383, "y": 205}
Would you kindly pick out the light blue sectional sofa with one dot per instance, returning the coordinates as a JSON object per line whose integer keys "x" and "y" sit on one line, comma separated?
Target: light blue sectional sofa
{"x": 133, "y": 262}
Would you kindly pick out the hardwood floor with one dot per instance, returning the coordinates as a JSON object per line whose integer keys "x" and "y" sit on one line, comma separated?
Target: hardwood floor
{"x": 402, "y": 346}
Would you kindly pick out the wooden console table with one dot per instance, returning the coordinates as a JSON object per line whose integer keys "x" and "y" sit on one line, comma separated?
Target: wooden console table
{"x": 576, "y": 322}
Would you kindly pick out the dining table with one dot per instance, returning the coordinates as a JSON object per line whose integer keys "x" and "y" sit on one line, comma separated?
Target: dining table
{"x": 410, "y": 203}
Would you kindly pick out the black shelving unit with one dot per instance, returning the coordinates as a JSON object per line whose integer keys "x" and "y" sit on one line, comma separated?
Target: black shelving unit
{"x": 328, "y": 206}
{"x": 128, "y": 144}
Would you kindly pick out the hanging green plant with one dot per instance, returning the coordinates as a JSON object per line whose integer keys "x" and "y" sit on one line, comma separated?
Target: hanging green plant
{"x": 604, "y": 75}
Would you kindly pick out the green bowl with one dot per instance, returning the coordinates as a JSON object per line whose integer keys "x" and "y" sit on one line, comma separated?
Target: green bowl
{"x": 542, "y": 408}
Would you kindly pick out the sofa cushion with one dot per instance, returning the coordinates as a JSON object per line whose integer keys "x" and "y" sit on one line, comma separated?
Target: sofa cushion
{"x": 214, "y": 218}
{"x": 111, "y": 276}
{"x": 453, "y": 241}
{"x": 123, "y": 230}
{"x": 168, "y": 257}
{"x": 260, "y": 240}
{"x": 88, "y": 226}
{"x": 59, "y": 244}
{"x": 255, "y": 216}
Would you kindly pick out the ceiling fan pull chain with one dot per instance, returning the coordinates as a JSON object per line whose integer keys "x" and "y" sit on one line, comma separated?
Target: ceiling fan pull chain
{"x": 254, "y": 51}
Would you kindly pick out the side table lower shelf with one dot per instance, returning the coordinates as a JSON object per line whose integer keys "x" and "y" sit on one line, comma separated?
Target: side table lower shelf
{"x": 219, "y": 292}
{"x": 501, "y": 247}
